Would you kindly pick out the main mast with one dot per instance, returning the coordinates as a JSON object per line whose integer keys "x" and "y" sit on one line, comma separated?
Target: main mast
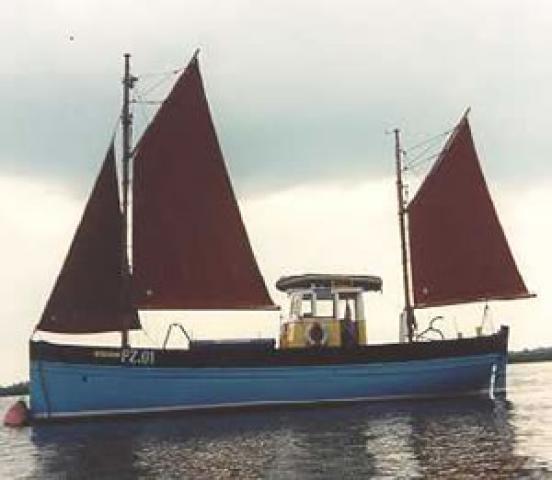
{"x": 126, "y": 121}
{"x": 408, "y": 310}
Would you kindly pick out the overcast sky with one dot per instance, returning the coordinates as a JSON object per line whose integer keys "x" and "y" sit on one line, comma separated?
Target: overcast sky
{"x": 300, "y": 90}
{"x": 302, "y": 93}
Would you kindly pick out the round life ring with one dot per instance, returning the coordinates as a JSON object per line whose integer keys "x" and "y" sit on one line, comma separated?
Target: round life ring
{"x": 316, "y": 334}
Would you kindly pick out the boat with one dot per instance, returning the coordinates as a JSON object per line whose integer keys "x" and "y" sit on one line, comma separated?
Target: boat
{"x": 190, "y": 251}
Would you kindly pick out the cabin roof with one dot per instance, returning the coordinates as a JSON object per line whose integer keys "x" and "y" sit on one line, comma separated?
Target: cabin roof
{"x": 366, "y": 282}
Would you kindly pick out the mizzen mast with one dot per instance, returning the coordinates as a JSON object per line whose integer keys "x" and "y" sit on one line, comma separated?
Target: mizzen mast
{"x": 408, "y": 310}
{"x": 126, "y": 121}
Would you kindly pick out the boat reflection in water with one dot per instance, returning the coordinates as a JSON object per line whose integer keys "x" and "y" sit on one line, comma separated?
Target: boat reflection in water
{"x": 455, "y": 439}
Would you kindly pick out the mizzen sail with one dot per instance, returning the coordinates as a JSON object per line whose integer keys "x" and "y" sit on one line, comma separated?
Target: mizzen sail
{"x": 87, "y": 296}
{"x": 458, "y": 250}
{"x": 190, "y": 247}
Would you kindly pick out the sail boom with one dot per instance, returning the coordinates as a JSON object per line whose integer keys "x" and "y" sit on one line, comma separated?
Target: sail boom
{"x": 452, "y": 302}
{"x": 238, "y": 308}
{"x": 90, "y": 323}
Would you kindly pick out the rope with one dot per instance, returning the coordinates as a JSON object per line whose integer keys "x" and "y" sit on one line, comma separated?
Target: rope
{"x": 147, "y": 335}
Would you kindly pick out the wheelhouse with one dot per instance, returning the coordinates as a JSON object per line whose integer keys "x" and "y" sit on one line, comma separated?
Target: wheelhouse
{"x": 326, "y": 310}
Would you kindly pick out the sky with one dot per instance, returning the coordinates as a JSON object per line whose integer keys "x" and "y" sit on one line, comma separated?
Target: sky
{"x": 302, "y": 94}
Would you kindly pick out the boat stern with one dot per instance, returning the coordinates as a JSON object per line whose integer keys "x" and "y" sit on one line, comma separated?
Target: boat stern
{"x": 500, "y": 371}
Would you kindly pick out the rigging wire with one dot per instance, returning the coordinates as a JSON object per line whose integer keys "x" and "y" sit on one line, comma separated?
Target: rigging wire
{"x": 415, "y": 166}
{"x": 144, "y": 113}
{"x": 142, "y": 110}
{"x": 165, "y": 72}
{"x": 148, "y": 102}
{"x": 427, "y": 152}
{"x": 140, "y": 94}
{"x": 164, "y": 78}
{"x": 430, "y": 139}
{"x": 421, "y": 155}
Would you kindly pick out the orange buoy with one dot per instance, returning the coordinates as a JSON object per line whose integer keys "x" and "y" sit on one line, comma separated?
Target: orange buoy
{"x": 17, "y": 415}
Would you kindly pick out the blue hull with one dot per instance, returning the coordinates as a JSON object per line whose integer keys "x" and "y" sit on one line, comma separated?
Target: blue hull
{"x": 61, "y": 389}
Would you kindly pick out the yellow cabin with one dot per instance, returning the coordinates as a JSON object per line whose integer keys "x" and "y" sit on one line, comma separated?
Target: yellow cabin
{"x": 325, "y": 310}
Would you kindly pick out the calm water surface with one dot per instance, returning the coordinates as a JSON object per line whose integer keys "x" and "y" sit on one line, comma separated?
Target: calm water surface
{"x": 454, "y": 439}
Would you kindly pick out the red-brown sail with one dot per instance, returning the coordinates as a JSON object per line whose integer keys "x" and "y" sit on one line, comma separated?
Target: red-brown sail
{"x": 458, "y": 250}
{"x": 190, "y": 247}
{"x": 87, "y": 296}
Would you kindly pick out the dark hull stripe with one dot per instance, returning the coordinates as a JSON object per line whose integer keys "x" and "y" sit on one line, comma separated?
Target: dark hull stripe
{"x": 267, "y": 357}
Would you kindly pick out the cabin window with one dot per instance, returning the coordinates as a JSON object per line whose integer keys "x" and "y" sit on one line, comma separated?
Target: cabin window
{"x": 295, "y": 311}
{"x": 306, "y": 307}
{"x": 325, "y": 308}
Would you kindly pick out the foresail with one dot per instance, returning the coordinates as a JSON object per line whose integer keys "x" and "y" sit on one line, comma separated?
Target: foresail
{"x": 190, "y": 247}
{"x": 458, "y": 250}
{"x": 87, "y": 295}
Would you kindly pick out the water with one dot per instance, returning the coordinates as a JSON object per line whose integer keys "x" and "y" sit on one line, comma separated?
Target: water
{"x": 454, "y": 439}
